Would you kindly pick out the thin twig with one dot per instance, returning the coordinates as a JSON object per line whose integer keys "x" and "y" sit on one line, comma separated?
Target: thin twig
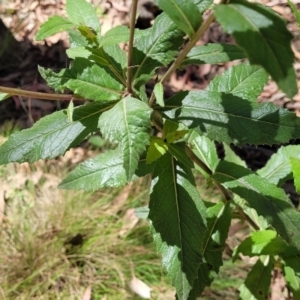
{"x": 208, "y": 171}
{"x": 156, "y": 120}
{"x": 38, "y": 95}
{"x": 227, "y": 195}
{"x": 198, "y": 161}
{"x": 130, "y": 46}
{"x": 192, "y": 42}
{"x": 248, "y": 219}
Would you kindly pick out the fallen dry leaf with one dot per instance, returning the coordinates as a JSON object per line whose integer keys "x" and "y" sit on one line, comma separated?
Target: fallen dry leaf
{"x": 129, "y": 221}
{"x": 88, "y": 293}
{"x": 140, "y": 288}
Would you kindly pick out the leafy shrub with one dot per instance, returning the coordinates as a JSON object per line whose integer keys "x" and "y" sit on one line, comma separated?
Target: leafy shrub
{"x": 168, "y": 138}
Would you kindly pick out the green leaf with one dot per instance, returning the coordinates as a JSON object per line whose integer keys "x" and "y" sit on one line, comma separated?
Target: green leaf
{"x": 218, "y": 222}
{"x": 169, "y": 127}
{"x": 295, "y": 164}
{"x": 278, "y": 168}
{"x": 203, "y": 5}
{"x": 159, "y": 94}
{"x": 105, "y": 170}
{"x": 157, "y": 148}
{"x": 258, "y": 281}
{"x": 142, "y": 212}
{"x": 76, "y": 39}
{"x": 52, "y": 26}
{"x": 293, "y": 261}
{"x": 260, "y": 221}
{"x": 111, "y": 57}
{"x": 227, "y": 118}
{"x": 155, "y": 49}
{"x": 264, "y": 242}
{"x": 178, "y": 151}
{"x": 293, "y": 282}
{"x": 88, "y": 53}
{"x": 295, "y": 11}
{"x": 83, "y": 13}
{"x": 269, "y": 201}
{"x": 243, "y": 80}
{"x": 70, "y": 111}
{"x": 170, "y": 132}
{"x": 230, "y": 156}
{"x": 53, "y": 135}
{"x": 204, "y": 148}
{"x": 213, "y": 54}
{"x": 89, "y": 34}
{"x": 175, "y": 136}
{"x": 118, "y": 34}
{"x": 4, "y": 96}
{"x": 183, "y": 13}
{"x": 128, "y": 123}
{"x": 86, "y": 79}
{"x": 177, "y": 217}
{"x": 263, "y": 35}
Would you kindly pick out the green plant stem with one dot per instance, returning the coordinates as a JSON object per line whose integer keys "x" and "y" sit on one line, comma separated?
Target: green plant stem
{"x": 198, "y": 161}
{"x": 207, "y": 170}
{"x": 192, "y": 42}
{"x": 226, "y": 194}
{"x": 156, "y": 120}
{"x": 248, "y": 219}
{"x": 130, "y": 45}
{"x": 38, "y": 95}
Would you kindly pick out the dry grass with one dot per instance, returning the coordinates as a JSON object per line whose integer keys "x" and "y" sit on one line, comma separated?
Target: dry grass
{"x": 55, "y": 244}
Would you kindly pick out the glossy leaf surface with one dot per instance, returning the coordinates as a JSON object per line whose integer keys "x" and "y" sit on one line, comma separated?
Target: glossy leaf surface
{"x": 278, "y": 167}
{"x": 52, "y": 26}
{"x": 156, "y": 48}
{"x": 183, "y": 13}
{"x": 218, "y": 222}
{"x": 87, "y": 79}
{"x": 82, "y": 13}
{"x": 118, "y": 34}
{"x": 53, "y": 135}
{"x": 128, "y": 123}
{"x": 213, "y": 54}
{"x": 177, "y": 217}
{"x": 244, "y": 81}
{"x": 267, "y": 199}
{"x": 230, "y": 156}
{"x": 295, "y": 164}
{"x": 257, "y": 283}
{"x": 265, "y": 242}
{"x": 230, "y": 119}
{"x": 204, "y": 148}
{"x": 263, "y": 35}
{"x": 293, "y": 281}
{"x": 105, "y": 170}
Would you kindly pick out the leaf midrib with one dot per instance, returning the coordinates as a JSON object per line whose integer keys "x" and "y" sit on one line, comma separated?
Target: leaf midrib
{"x": 226, "y": 114}
{"x": 92, "y": 173}
{"x": 147, "y": 54}
{"x": 212, "y": 229}
{"x": 118, "y": 92}
{"x": 63, "y": 127}
{"x": 245, "y": 80}
{"x": 177, "y": 204}
{"x": 184, "y": 17}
